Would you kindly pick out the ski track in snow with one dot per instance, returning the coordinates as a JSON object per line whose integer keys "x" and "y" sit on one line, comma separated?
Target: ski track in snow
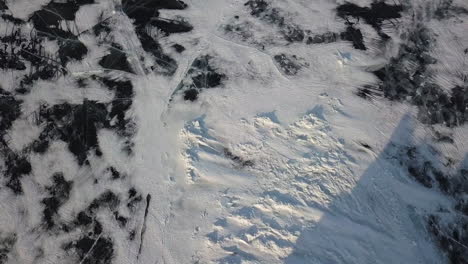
{"x": 254, "y": 131}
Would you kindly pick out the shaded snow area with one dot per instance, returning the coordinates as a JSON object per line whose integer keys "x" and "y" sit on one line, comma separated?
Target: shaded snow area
{"x": 233, "y": 131}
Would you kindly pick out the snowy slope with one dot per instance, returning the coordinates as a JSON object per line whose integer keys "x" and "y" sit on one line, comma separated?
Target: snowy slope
{"x": 260, "y": 131}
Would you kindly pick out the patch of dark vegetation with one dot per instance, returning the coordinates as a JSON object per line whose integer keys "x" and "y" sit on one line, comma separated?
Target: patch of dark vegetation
{"x": 289, "y": 64}
{"x": 15, "y": 21}
{"x": 375, "y": 15}
{"x": 114, "y": 172}
{"x": 425, "y": 165}
{"x": 452, "y": 238}
{"x": 191, "y": 95}
{"x": 10, "y": 110}
{"x": 179, "y": 48}
{"x": 201, "y": 75}
{"x": 406, "y": 76}
{"x": 131, "y": 235}
{"x": 87, "y": 218}
{"x": 170, "y": 26}
{"x": 81, "y": 82}
{"x": 8, "y": 17}
{"x": 142, "y": 11}
{"x": 120, "y": 219}
{"x": 446, "y": 9}
{"x": 75, "y": 124}
{"x": 102, "y": 26}
{"x": 47, "y": 25}
{"x": 443, "y": 137}
{"x": 10, "y": 62}
{"x": 355, "y": 36}
{"x": 263, "y": 11}
{"x": 59, "y": 193}
{"x": 448, "y": 225}
{"x": 71, "y": 50}
{"x": 3, "y": 5}
{"x": 32, "y": 51}
{"x": 47, "y": 21}
{"x": 368, "y": 92}
{"x": 293, "y": 33}
{"x": 423, "y": 174}
{"x": 240, "y": 29}
{"x": 7, "y": 242}
{"x": 16, "y": 49}
{"x": 132, "y": 192}
{"x": 462, "y": 204}
{"x": 259, "y": 7}
{"x": 12, "y": 54}
{"x": 419, "y": 166}
{"x": 116, "y": 59}
{"x": 98, "y": 250}
{"x": 145, "y": 15}
{"x": 121, "y": 103}
{"x": 437, "y": 107}
{"x": 134, "y": 198}
{"x": 107, "y": 199}
{"x": 327, "y": 37}
{"x": 83, "y": 219}
{"x": 398, "y": 81}
{"x": 238, "y": 160}
{"x": 88, "y": 222}
{"x": 164, "y": 63}
{"x": 93, "y": 246}
{"x": 45, "y": 72}
{"x": 16, "y": 166}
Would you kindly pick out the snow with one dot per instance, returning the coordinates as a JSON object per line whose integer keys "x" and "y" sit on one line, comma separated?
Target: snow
{"x": 267, "y": 167}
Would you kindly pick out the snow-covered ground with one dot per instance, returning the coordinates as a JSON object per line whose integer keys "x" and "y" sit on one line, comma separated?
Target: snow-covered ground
{"x": 276, "y": 131}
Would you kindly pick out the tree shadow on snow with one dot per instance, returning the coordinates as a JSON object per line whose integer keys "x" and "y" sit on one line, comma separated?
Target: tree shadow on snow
{"x": 367, "y": 224}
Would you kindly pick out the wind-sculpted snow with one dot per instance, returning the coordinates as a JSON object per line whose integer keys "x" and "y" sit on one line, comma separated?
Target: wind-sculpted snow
{"x": 293, "y": 183}
{"x": 255, "y": 131}
{"x": 304, "y": 203}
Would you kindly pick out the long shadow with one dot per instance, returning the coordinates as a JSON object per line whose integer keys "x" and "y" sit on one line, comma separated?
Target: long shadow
{"x": 368, "y": 224}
